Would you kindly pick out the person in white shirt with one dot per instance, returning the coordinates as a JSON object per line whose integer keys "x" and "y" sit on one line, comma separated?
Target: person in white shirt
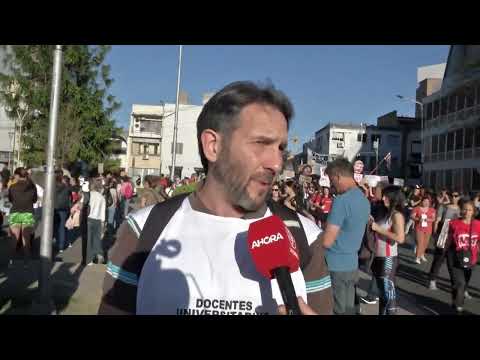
{"x": 200, "y": 263}
{"x": 96, "y": 222}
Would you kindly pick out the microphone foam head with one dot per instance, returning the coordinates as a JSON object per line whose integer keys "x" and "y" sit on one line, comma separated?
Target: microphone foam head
{"x": 272, "y": 245}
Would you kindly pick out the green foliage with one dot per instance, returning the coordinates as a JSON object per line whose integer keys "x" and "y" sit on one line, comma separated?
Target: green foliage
{"x": 85, "y": 114}
{"x": 185, "y": 189}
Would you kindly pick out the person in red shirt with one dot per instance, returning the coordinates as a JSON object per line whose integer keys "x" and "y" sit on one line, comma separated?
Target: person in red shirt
{"x": 463, "y": 234}
{"x": 325, "y": 205}
{"x": 424, "y": 216}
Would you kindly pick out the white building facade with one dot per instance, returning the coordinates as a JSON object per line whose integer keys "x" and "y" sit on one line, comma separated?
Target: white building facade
{"x": 358, "y": 142}
{"x": 150, "y": 140}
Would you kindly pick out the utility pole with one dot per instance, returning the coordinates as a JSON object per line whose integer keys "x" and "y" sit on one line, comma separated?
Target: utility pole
{"x": 175, "y": 125}
{"x": 45, "y": 299}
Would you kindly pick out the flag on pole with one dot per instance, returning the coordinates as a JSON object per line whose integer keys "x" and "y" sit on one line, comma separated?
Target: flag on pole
{"x": 388, "y": 160}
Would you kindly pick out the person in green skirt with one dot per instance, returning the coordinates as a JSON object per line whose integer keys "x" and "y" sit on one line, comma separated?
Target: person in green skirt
{"x": 22, "y": 194}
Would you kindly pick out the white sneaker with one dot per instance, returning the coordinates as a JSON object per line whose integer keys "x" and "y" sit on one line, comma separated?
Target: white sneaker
{"x": 433, "y": 285}
{"x": 423, "y": 258}
{"x": 467, "y": 295}
{"x": 90, "y": 263}
{"x": 417, "y": 260}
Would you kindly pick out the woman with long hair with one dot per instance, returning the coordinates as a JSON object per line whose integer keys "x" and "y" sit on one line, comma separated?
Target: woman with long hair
{"x": 445, "y": 214}
{"x": 22, "y": 194}
{"x": 276, "y": 192}
{"x": 388, "y": 232}
{"x": 462, "y": 251}
{"x": 424, "y": 216}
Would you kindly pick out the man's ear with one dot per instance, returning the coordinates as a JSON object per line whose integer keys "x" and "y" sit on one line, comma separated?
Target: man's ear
{"x": 211, "y": 144}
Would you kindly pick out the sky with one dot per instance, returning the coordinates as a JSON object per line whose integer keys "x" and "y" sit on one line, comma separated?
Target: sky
{"x": 350, "y": 84}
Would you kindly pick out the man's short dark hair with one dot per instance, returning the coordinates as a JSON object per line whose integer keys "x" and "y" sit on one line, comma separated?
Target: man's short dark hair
{"x": 221, "y": 112}
{"x": 339, "y": 167}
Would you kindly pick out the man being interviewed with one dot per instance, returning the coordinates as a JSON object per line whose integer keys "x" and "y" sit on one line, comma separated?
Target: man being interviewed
{"x": 199, "y": 263}
{"x": 343, "y": 234}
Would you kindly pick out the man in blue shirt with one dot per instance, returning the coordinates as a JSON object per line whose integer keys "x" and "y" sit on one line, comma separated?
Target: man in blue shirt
{"x": 343, "y": 234}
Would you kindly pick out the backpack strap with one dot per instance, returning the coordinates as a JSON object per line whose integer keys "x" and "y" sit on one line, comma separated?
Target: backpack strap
{"x": 156, "y": 222}
{"x": 312, "y": 261}
{"x": 293, "y": 223}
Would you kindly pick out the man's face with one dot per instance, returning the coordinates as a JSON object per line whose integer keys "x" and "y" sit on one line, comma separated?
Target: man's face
{"x": 335, "y": 182}
{"x": 251, "y": 157}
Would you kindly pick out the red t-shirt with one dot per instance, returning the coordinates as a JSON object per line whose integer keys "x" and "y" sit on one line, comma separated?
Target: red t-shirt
{"x": 459, "y": 233}
{"x": 427, "y": 218}
{"x": 315, "y": 198}
{"x": 326, "y": 204}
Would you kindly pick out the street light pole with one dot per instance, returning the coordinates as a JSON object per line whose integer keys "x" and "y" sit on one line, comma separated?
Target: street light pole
{"x": 48, "y": 200}
{"x": 175, "y": 125}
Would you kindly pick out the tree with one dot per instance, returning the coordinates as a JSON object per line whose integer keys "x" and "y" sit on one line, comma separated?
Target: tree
{"x": 85, "y": 114}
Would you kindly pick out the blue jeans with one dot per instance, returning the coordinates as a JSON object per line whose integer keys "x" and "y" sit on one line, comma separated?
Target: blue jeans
{"x": 111, "y": 216}
{"x": 60, "y": 218}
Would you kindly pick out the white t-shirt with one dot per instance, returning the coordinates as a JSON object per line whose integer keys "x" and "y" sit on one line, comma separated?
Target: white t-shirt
{"x": 38, "y": 204}
{"x": 201, "y": 265}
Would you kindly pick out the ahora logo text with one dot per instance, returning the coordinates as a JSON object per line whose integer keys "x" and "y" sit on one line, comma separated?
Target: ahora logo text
{"x": 266, "y": 240}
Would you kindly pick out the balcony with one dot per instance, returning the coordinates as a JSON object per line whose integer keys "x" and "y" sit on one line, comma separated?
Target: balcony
{"x": 449, "y": 155}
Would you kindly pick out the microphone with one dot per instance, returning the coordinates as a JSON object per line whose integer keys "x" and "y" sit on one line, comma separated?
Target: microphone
{"x": 274, "y": 252}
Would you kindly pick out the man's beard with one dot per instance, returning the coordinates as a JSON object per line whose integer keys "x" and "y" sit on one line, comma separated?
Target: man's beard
{"x": 230, "y": 173}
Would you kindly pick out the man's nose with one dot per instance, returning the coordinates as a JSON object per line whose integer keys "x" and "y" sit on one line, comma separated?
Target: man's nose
{"x": 274, "y": 160}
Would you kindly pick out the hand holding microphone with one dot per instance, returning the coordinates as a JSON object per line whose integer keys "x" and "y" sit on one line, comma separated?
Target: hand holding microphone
{"x": 274, "y": 252}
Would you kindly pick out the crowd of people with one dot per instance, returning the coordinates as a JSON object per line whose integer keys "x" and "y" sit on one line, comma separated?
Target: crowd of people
{"x": 87, "y": 208}
{"x": 396, "y": 213}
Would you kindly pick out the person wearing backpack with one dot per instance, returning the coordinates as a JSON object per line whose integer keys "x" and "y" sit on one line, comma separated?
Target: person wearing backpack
{"x": 189, "y": 254}
{"x": 462, "y": 251}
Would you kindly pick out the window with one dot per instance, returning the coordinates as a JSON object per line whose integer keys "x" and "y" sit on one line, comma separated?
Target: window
{"x": 452, "y": 103}
{"x": 393, "y": 140}
{"x": 433, "y": 179}
{"x": 467, "y": 179}
{"x": 476, "y": 179}
{"x": 179, "y": 149}
{"x": 434, "y": 144}
{"x": 469, "y": 138}
{"x": 428, "y": 145}
{"x": 470, "y": 96}
{"x": 375, "y": 137}
{"x": 476, "y": 140}
{"x": 443, "y": 106}
{"x": 441, "y": 143}
{"x": 417, "y": 146}
{"x": 338, "y": 136}
{"x": 450, "y": 141}
{"x": 460, "y": 99}
{"x": 151, "y": 126}
{"x": 362, "y": 138}
{"x": 459, "y": 139}
{"x": 436, "y": 108}
{"x": 449, "y": 179}
{"x": 429, "y": 111}
{"x": 340, "y": 145}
